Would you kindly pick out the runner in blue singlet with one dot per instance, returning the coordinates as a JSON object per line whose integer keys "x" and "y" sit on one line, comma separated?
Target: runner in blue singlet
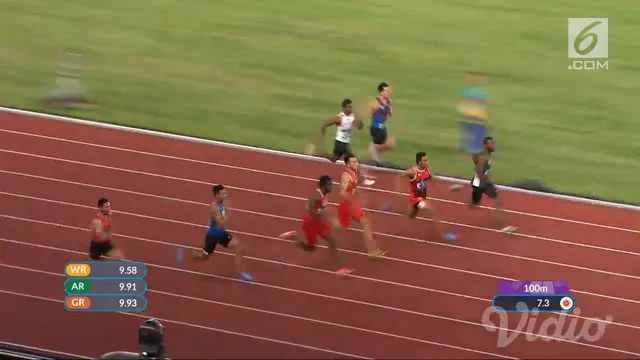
{"x": 217, "y": 233}
{"x": 380, "y": 109}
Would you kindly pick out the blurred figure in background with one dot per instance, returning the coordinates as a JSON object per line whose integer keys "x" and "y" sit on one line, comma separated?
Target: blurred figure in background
{"x": 380, "y": 110}
{"x": 68, "y": 91}
{"x": 344, "y": 122}
{"x": 473, "y": 113}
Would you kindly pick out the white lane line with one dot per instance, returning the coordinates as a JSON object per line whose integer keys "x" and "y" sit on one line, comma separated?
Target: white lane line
{"x": 497, "y": 231}
{"x": 235, "y": 167}
{"x": 248, "y": 308}
{"x": 208, "y": 328}
{"x": 330, "y": 273}
{"x": 360, "y": 302}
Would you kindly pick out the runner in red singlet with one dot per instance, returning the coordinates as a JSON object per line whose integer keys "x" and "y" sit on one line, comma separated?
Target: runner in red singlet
{"x": 419, "y": 176}
{"x": 101, "y": 245}
{"x": 350, "y": 208}
{"x": 315, "y": 224}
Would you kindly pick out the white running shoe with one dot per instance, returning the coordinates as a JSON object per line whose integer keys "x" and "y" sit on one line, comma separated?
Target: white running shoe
{"x": 368, "y": 182}
{"x": 509, "y": 229}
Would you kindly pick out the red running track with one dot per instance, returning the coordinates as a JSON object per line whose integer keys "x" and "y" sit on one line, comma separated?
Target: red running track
{"x": 426, "y": 300}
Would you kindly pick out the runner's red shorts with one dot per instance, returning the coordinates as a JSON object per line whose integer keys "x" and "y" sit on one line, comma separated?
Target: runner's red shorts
{"x": 313, "y": 228}
{"x": 414, "y": 200}
{"x": 349, "y": 210}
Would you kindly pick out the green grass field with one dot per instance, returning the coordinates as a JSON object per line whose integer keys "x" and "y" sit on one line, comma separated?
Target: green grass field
{"x": 268, "y": 73}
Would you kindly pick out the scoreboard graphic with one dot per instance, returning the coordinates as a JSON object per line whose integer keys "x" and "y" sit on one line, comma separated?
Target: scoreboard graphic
{"x": 105, "y": 286}
{"x": 528, "y": 296}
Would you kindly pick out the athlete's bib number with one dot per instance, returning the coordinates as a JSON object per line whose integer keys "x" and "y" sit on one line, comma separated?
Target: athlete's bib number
{"x": 476, "y": 181}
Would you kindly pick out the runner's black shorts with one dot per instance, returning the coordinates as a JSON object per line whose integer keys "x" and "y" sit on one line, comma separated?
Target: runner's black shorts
{"x": 378, "y": 135}
{"x": 477, "y": 191}
{"x": 99, "y": 249}
{"x": 211, "y": 241}
{"x": 340, "y": 149}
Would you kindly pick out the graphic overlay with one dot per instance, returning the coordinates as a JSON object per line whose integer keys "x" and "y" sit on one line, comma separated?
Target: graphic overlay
{"x": 530, "y": 303}
{"x": 528, "y": 296}
{"x": 105, "y": 286}
{"x": 588, "y": 43}
{"x": 106, "y": 269}
{"x": 532, "y": 287}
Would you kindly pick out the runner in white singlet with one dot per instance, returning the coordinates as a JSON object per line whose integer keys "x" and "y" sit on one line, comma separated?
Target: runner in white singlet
{"x": 344, "y": 123}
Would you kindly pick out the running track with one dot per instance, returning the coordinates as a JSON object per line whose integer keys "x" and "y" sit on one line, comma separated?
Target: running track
{"x": 426, "y": 300}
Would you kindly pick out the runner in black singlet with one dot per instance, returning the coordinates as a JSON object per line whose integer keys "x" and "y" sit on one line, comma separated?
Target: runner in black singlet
{"x": 481, "y": 183}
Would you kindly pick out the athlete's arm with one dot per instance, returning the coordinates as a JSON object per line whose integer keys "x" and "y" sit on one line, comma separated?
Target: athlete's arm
{"x": 361, "y": 176}
{"x": 345, "y": 180}
{"x": 480, "y": 161}
{"x": 402, "y": 178}
{"x": 372, "y": 105}
{"x": 96, "y": 226}
{"x": 432, "y": 178}
{"x": 312, "y": 205}
{"x": 215, "y": 212}
{"x": 335, "y": 121}
{"x": 359, "y": 122}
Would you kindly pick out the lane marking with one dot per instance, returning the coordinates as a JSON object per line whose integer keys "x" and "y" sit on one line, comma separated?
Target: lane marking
{"x": 92, "y": 125}
{"x": 294, "y": 219}
{"x": 357, "y": 302}
{"x": 498, "y": 231}
{"x": 235, "y": 167}
{"x": 298, "y": 220}
{"x": 208, "y": 328}
{"x": 330, "y": 273}
{"x": 49, "y": 352}
{"x": 248, "y": 308}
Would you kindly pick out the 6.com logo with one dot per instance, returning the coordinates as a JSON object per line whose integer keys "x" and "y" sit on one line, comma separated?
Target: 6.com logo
{"x": 588, "y": 43}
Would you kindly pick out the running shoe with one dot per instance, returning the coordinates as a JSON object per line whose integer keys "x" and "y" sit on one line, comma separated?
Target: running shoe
{"x": 246, "y": 277}
{"x": 509, "y": 229}
{"x": 377, "y": 254}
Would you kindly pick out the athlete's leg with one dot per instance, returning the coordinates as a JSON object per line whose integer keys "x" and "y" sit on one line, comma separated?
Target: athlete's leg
{"x": 200, "y": 254}
{"x": 378, "y": 138}
{"x": 333, "y": 157}
{"x": 116, "y": 254}
{"x": 333, "y": 248}
{"x": 234, "y": 243}
{"x": 344, "y": 214}
{"x": 310, "y": 232}
{"x": 412, "y": 211}
{"x": 367, "y": 234}
{"x": 209, "y": 247}
{"x": 414, "y": 206}
{"x": 476, "y": 196}
{"x": 388, "y": 144}
{"x": 492, "y": 193}
{"x": 433, "y": 215}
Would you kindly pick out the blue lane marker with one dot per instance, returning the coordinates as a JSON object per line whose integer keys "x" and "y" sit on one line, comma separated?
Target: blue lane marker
{"x": 386, "y": 206}
{"x": 450, "y": 237}
{"x": 180, "y": 256}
